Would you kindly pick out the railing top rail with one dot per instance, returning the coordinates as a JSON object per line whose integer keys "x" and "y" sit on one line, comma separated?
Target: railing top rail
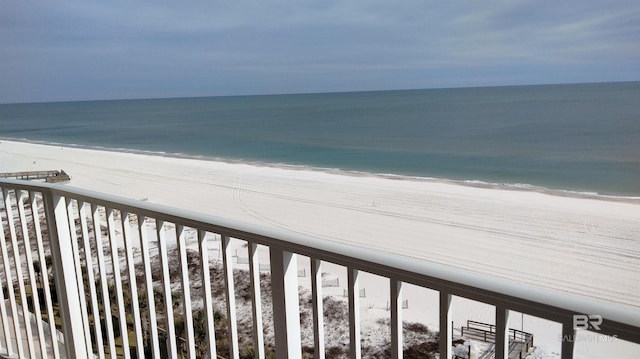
{"x": 469, "y": 321}
{"x": 621, "y": 320}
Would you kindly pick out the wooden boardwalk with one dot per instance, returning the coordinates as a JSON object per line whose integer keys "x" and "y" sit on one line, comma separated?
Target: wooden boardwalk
{"x": 519, "y": 342}
{"x": 49, "y": 176}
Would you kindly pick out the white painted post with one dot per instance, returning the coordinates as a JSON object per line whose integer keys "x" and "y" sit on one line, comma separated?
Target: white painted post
{"x": 79, "y": 279}
{"x": 31, "y": 276}
{"x": 286, "y": 309}
{"x": 65, "y": 276}
{"x": 502, "y": 333}
{"x": 354, "y": 313}
{"x": 254, "y": 272}
{"x": 104, "y": 284}
{"x": 148, "y": 281}
{"x": 446, "y": 337}
{"x": 186, "y": 292}
{"x": 206, "y": 293}
{"x": 231, "y": 298}
{"x": 115, "y": 265}
{"x": 12, "y": 299}
{"x": 133, "y": 287}
{"x": 45, "y": 277}
{"x": 10, "y": 282}
{"x": 318, "y": 308}
{"x": 396, "y": 318}
{"x": 172, "y": 347}
{"x": 91, "y": 279}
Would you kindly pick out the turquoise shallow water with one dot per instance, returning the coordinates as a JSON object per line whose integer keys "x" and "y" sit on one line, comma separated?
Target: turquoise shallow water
{"x": 583, "y": 138}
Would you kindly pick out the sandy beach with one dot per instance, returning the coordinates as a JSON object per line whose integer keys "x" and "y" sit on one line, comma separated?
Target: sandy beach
{"x": 587, "y": 246}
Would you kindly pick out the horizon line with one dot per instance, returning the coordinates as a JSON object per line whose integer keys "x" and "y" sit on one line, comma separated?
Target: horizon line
{"x": 312, "y": 93}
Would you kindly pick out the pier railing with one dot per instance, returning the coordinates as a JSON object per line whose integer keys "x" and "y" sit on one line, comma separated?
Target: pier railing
{"x": 53, "y": 176}
{"x": 487, "y": 333}
{"x": 93, "y": 275}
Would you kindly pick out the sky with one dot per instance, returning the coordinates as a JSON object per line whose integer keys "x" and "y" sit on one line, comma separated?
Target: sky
{"x": 83, "y": 50}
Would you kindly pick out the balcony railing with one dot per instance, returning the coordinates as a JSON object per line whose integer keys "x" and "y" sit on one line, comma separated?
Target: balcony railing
{"x": 93, "y": 275}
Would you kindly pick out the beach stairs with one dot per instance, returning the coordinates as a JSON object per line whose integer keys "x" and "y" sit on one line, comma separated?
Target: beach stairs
{"x": 520, "y": 342}
{"x": 53, "y": 176}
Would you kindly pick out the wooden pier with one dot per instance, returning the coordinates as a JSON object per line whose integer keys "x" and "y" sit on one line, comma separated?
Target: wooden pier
{"x": 54, "y": 176}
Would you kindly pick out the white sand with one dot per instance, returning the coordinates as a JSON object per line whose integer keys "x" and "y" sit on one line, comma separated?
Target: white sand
{"x": 579, "y": 245}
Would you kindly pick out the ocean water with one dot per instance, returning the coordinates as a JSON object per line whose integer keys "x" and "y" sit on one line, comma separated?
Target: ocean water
{"x": 582, "y": 138}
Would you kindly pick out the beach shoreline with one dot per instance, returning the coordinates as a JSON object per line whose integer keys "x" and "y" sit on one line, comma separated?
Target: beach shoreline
{"x": 346, "y": 172}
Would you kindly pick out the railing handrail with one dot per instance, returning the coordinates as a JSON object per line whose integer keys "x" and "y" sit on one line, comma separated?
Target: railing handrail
{"x": 620, "y": 320}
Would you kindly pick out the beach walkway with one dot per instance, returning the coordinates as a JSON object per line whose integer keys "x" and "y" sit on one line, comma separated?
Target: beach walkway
{"x": 519, "y": 342}
{"x": 53, "y": 176}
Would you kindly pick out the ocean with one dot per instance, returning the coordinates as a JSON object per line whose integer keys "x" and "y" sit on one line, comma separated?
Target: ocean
{"x": 582, "y": 138}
